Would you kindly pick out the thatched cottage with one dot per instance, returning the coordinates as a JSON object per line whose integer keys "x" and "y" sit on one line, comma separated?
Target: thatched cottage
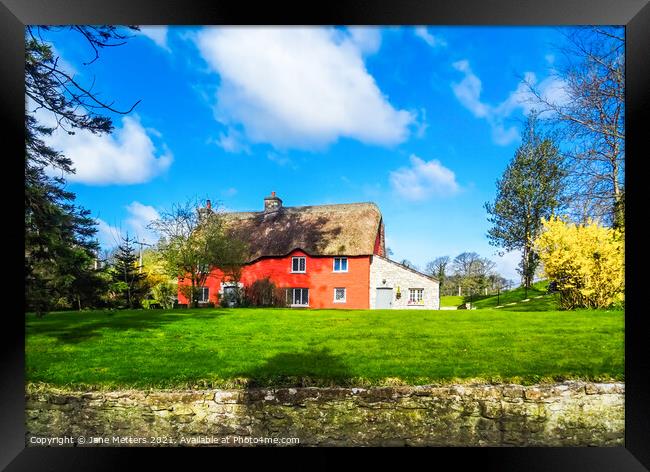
{"x": 323, "y": 256}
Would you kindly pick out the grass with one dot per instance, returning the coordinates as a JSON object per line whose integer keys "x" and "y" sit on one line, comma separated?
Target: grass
{"x": 230, "y": 347}
{"x": 538, "y": 299}
{"x": 512, "y": 300}
{"x": 451, "y": 300}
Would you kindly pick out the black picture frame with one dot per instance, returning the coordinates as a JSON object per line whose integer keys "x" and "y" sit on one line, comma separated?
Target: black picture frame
{"x": 634, "y": 14}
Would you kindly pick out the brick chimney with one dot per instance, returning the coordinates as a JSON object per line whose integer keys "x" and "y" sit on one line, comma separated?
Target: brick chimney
{"x": 208, "y": 204}
{"x": 272, "y": 203}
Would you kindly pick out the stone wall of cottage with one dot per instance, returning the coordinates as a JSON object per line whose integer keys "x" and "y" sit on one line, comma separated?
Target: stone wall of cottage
{"x": 565, "y": 414}
{"x": 384, "y": 273}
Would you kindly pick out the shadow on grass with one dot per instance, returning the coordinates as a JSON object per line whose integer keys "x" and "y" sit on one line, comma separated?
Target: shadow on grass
{"x": 75, "y": 328}
{"x": 317, "y": 367}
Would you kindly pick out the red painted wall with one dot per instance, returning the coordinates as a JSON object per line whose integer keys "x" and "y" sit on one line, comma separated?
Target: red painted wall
{"x": 319, "y": 278}
{"x": 380, "y": 244}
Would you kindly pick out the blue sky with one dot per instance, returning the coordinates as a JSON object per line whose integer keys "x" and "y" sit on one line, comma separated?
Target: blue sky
{"x": 420, "y": 120}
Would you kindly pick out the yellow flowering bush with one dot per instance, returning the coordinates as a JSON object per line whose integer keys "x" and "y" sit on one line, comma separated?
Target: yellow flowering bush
{"x": 586, "y": 261}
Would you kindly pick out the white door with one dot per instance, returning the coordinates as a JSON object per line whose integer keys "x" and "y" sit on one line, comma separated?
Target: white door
{"x": 384, "y": 298}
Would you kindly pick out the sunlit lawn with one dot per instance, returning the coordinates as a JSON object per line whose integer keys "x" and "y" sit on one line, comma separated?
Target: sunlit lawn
{"x": 222, "y": 347}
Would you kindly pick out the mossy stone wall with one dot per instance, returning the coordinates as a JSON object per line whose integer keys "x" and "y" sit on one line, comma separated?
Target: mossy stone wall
{"x": 565, "y": 414}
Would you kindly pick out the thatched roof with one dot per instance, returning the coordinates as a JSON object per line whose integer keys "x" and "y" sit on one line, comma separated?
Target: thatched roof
{"x": 323, "y": 230}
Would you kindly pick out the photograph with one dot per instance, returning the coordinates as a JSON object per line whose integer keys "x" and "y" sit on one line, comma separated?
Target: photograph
{"x": 326, "y": 235}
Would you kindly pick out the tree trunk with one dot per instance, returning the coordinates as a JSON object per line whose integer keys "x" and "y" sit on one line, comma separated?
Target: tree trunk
{"x": 618, "y": 218}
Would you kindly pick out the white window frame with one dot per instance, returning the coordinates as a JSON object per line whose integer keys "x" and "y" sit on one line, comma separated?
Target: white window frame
{"x": 304, "y": 264}
{"x": 345, "y": 295}
{"x": 291, "y": 291}
{"x": 416, "y": 296}
{"x": 202, "y": 292}
{"x": 341, "y": 259}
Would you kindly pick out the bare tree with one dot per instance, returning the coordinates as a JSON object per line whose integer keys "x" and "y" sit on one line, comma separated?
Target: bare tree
{"x": 466, "y": 263}
{"x": 465, "y": 266}
{"x": 438, "y": 268}
{"x": 589, "y": 107}
{"x": 472, "y": 272}
{"x": 409, "y": 264}
{"x": 193, "y": 242}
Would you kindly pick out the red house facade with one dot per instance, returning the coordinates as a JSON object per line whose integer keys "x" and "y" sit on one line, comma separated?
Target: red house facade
{"x": 324, "y": 256}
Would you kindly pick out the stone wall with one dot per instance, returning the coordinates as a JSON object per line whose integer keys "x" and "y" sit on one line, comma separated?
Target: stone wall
{"x": 386, "y": 273}
{"x": 567, "y": 414}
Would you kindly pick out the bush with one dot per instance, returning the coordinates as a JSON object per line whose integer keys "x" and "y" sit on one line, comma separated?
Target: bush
{"x": 165, "y": 294}
{"x": 586, "y": 262}
{"x": 147, "y": 302}
{"x": 264, "y": 292}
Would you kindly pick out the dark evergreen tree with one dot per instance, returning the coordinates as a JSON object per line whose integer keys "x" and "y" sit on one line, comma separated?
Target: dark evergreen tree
{"x": 128, "y": 276}
{"x": 59, "y": 235}
{"x": 530, "y": 189}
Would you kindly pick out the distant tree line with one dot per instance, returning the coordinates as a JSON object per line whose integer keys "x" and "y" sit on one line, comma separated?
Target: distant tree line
{"x": 466, "y": 274}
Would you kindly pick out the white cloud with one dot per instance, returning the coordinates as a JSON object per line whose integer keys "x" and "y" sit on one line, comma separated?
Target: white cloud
{"x": 300, "y": 87}
{"x": 158, "y": 34}
{"x": 279, "y": 159}
{"x": 366, "y": 38}
{"x": 506, "y": 265}
{"x": 434, "y": 41}
{"x": 552, "y": 89}
{"x": 468, "y": 93}
{"x": 468, "y": 90}
{"x": 231, "y": 141}
{"x": 126, "y": 156}
{"x": 63, "y": 64}
{"x": 139, "y": 217}
{"x": 421, "y": 125}
{"x": 229, "y": 192}
{"x": 502, "y": 135}
{"x": 423, "y": 180}
{"x": 135, "y": 224}
{"x": 108, "y": 236}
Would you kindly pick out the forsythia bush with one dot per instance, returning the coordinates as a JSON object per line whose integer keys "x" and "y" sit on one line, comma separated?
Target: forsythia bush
{"x": 587, "y": 262}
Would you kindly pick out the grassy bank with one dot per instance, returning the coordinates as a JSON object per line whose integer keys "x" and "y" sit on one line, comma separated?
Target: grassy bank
{"x": 219, "y": 347}
{"x": 536, "y": 298}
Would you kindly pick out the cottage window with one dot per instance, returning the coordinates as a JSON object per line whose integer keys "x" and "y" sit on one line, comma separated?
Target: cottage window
{"x": 339, "y": 295}
{"x": 204, "y": 294}
{"x": 298, "y": 296}
{"x": 340, "y": 264}
{"x": 416, "y": 296}
{"x": 298, "y": 264}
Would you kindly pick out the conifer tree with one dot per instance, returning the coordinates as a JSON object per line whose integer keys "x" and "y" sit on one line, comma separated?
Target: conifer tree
{"x": 127, "y": 273}
{"x": 531, "y": 188}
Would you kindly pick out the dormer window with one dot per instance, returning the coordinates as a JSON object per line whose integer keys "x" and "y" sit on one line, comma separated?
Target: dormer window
{"x": 298, "y": 265}
{"x": 340, "y": 264}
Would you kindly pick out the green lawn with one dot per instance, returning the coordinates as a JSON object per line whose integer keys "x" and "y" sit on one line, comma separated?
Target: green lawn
{"x": 511, "y": 300}
{"x": 538, "y": 299}
{"x": 451, "y": 300}
{"x": 230, "y": 347}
